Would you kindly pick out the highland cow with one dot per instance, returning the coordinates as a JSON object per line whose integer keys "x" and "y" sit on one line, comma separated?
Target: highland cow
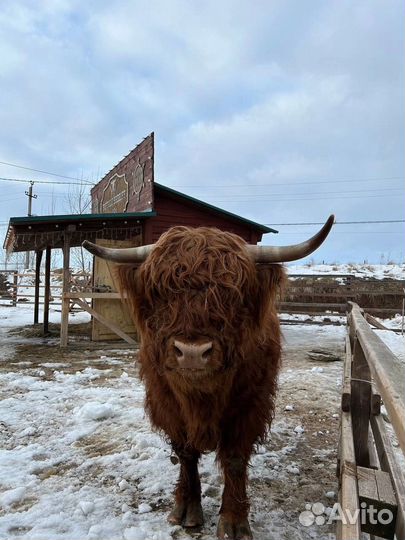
{"x": 204, "y": 303}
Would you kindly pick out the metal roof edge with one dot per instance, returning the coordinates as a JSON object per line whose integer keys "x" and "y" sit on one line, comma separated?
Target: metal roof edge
{"x": 77, "y": 217}
{"x": 262, "y": 228}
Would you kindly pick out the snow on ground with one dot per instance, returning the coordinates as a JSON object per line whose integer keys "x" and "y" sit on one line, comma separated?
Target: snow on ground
{"x": 376, "y": 271}
{"x": 79, "y": 460}
{"x": 396, "y": 342}
{"x": 22, "y": 315}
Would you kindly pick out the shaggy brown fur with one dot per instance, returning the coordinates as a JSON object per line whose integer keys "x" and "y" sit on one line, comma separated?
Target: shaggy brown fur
{"x": 202, "y": 284}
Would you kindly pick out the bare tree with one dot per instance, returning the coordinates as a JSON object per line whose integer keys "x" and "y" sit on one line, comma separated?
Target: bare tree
{"x": 78, "y": 201}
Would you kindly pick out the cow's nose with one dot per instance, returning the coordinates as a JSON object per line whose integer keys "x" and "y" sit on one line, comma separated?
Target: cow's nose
{"x": 192, "y": 355}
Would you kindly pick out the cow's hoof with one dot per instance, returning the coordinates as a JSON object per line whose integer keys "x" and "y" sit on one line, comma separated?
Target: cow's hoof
{"x": 186, "y": 514}
{"x": 176, "y": 515}
{"x": 233, "y": 530}
{"x": 194, "y": 515}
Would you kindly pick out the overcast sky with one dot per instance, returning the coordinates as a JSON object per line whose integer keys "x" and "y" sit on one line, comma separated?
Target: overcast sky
{"x": 281, "y": 111}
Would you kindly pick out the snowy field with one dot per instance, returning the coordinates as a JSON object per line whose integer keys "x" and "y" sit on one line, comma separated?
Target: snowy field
{"x": 79, "y": 460}
{"x": 376, "y": 271}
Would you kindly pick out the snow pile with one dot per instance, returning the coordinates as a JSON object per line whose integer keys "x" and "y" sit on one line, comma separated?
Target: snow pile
{"x": 95, "y": 411}
{"x": 376, "y": 271}
{"x": 12, "y": 496}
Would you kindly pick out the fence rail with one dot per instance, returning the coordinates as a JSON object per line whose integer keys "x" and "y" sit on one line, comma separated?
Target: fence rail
{"x": 20, "y": 287}
{"x": 368, "y": 468}
{"x": 325, "y": 292}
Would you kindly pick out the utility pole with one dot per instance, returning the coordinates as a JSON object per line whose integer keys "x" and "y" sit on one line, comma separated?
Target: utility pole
{"x": 30, "y": 197}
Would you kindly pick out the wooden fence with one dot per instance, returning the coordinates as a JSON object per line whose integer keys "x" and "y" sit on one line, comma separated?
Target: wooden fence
{"x": 372, "y": 483}
{"x": 20, "y": 287}
{"x": 320, "y": 293}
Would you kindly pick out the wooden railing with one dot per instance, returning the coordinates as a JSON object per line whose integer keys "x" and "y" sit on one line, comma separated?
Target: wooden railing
{"x": 368, "y": 467}
{"x": 21, "y": 286}
{"x": 318, "y": 293}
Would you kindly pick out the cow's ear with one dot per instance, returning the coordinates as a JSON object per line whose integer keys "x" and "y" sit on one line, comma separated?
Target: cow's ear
{"x": 271, "y": 281}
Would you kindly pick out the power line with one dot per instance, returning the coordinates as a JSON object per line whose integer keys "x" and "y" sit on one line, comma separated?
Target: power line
{"x": 25, "y": 181}
{"x": 270, "y": 184}
{"x": 255, "y": 195}
{"x": 340, "y": 222}
{"x": 295, "y": 233}
{"x": 279, "y": 194}
{"x": 12, "y": 199}
{"x": 44, "y": 172}
{"x": 259, "y": 198}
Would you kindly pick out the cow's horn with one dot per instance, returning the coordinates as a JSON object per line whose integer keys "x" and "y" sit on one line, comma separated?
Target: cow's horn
{"x": 275, "y": 254}
{"x": 122, "y": 255}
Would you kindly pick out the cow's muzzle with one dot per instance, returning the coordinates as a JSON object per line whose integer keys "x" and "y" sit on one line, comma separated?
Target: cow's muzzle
{"x": 192, "y": 356}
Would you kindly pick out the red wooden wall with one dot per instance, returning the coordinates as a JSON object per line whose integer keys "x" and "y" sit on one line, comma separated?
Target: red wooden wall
{"x": 173, "y": 211}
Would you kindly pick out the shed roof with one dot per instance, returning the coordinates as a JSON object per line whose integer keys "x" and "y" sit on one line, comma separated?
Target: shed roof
{"x": 37, "y": 232}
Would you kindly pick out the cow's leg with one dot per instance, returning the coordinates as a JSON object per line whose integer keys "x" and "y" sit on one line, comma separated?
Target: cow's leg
{"x": 187, "y": 508}
{"x": 233, "y": 521}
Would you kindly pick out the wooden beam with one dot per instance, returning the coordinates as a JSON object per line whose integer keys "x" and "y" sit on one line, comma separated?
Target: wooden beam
{"x": 47, "y": 291}
{"x": 390, "y": 465}
{"x": 388, "y": 372}
{"x": 85, "y": 294}
{"x": 326, "y": 305}
{"x": 372, "y": 451}
{"x": 347, "y": 373}
{"x": 360, "y": 404}
{"x": 15, "y": 288}
{"x": 38, "y": 259}
{"x": 112, "y": 326}
{"x": 374, "y": 322}
{"x": 66, "y": 288}
{"x": 375, "y": 400}
{"x": 348, "y": 493}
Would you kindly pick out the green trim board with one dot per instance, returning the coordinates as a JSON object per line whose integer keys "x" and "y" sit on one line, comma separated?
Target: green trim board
{"x": 207, "y": 206}
{"x": 28, "y": 220}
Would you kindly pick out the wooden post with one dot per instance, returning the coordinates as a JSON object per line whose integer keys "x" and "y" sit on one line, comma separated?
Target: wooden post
{"x": 65, "y": 289}
{"x": 47, "y": 292}
{"x": 15, "y": 285}
{"x": 347, "y": 373}
{"x": 38, "y": 259}
{"x": 360, "y": 404}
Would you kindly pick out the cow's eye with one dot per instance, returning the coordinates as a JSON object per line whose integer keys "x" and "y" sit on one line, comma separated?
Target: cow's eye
{"x": 177, "y": 352}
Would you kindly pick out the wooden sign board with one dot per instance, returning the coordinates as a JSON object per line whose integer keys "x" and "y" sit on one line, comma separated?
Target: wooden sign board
{"x": 128, "y": 187}
{"x": 115, "y": 195}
